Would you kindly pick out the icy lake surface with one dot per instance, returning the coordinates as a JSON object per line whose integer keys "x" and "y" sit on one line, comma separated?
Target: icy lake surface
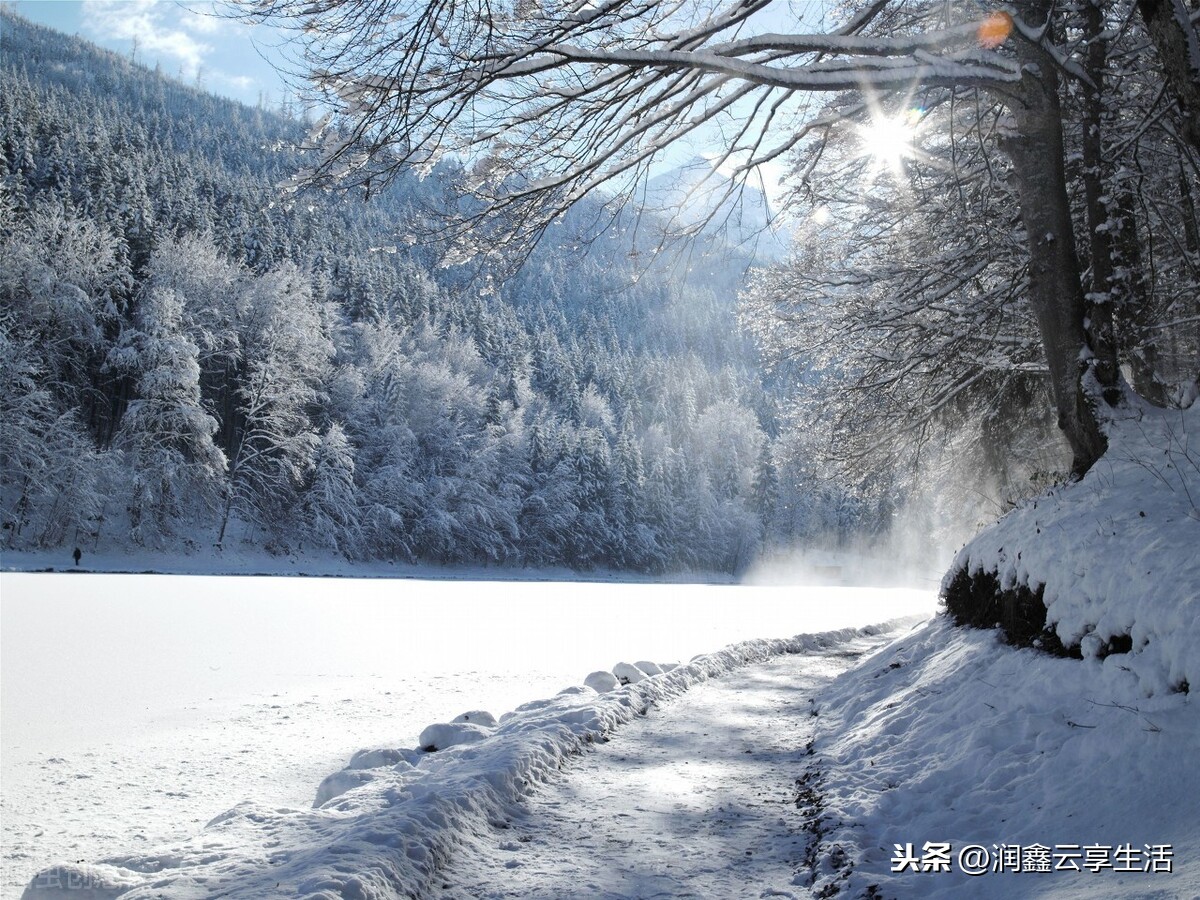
{"x": 135, "y": 708}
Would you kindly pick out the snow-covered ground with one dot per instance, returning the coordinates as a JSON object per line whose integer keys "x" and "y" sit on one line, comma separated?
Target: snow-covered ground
{"x": 941, "y": 754}
{"x": 1004, "y": 772}
{"x": 750, "y": 771}
{"x": 1003, "y": 757}
{"x": 137, "y": 708}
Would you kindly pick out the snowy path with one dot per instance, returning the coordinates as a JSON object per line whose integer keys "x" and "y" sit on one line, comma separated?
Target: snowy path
{"x": 695, "y": 800}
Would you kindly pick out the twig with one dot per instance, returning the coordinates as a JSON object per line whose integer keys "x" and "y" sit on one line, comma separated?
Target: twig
{"x": 1133, "y": 709}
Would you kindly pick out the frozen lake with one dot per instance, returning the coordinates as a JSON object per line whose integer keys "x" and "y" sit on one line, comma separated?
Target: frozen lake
{"x": 135, "y": 708}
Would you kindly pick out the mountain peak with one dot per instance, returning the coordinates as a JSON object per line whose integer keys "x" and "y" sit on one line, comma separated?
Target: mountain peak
{"x": 696, "y": 195}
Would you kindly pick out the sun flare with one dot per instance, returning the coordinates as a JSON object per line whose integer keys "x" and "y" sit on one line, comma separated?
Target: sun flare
{"x": 889, "y": 139}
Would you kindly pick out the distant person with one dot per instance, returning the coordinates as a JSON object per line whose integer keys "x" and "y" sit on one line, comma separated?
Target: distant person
{"x": 78, "y": 554}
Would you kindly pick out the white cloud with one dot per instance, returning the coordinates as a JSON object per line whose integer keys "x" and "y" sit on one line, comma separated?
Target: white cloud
{"x": 144, "y": 21}
{"x": 202, "y": 18}
{"x": 242, "y": 83}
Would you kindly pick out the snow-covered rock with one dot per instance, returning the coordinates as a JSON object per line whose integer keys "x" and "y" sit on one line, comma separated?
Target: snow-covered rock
{"x": 364, "y": 767}
{"x": 78, "y": 881}
{"x": 385, "y": 756}
{"x": 477, "y": 717}
{"x": 574, "y": 690}
{"x": 628, "y": 673}
{"x": 601, "y": 682}
{"x": 648, "y": 667}
{"x": 450, "y": 734}
{"x": 339, "y": 782}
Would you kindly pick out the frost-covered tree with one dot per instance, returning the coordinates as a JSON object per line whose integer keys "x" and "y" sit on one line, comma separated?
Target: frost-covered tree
{"x": 549, "y": 508}
{"x": 370, "y": 389}
{"x": 901, "y": 318}
{"x": 154, "y": 286}
{"x": 63, "y": 280}
{"x": 286, "y": 352}
{"x": 903, "y": 314}
{"x": 212, "y": 289}
{"x": 166, "y": 433}
{"x": 48, "y": 468}
{"x": 329, "y": 515}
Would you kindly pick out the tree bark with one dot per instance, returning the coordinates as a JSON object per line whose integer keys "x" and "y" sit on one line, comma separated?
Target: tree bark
{"x": 1133, "y": 310}
{"x": 1055, "y": 290}
{"x": 1191, "y": 232}
{"x": 1104, "y": 294}
{"x": 1174, "y": 36}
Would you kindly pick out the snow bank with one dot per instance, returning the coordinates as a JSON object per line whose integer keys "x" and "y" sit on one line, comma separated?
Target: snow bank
{"x": 382, "y": 832}
{"x": 951, "y": 736}
{"x": 1116, "y": 554}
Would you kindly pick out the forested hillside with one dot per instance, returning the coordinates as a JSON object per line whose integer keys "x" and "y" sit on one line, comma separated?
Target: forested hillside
{"x": 193, "y": 357}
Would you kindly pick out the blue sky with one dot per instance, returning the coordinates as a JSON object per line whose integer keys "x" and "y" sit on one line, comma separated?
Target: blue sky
{"x": 186, "y": 39}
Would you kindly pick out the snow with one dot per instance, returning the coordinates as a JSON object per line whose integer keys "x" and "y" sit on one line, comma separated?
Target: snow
{"x": 695, "y": 799}
{"x": 444, "y": 735}
{"x": 770, "y": 768}
{"x": 627, "y": 673}
{"x": 136, "y": 708}
{"x": 388, "y": 836}
{"x": 479, "y": 717}
{"x": 1118, "y": 552}
{"x": 951, "y": 736}
{"x": 602, "y": 681}
{"x": 111, "y": 558}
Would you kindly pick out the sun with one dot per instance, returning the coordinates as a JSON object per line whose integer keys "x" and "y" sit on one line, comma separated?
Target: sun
{"x": 889, "y": 140}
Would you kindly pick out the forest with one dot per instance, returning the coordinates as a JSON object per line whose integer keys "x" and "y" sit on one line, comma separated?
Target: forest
{"x": 191, "y": 358}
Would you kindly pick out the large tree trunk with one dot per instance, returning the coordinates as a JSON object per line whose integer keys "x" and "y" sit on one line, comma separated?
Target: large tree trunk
{"x": 1055, "y": 290}
{"x": 1170, "y": 27}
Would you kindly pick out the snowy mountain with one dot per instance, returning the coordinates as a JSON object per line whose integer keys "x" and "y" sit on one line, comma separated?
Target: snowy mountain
{"x": 695, "y": 197}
